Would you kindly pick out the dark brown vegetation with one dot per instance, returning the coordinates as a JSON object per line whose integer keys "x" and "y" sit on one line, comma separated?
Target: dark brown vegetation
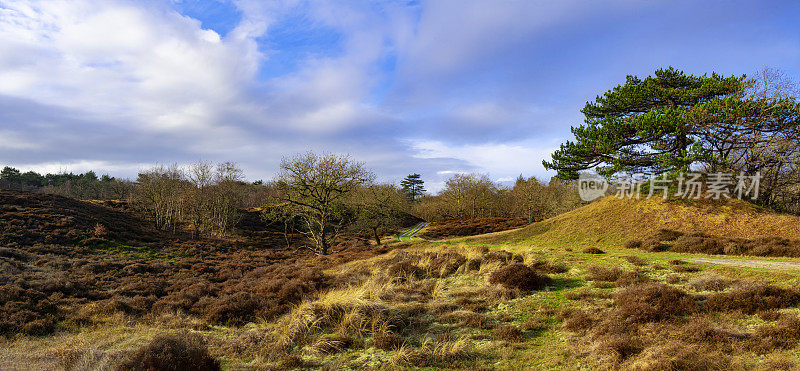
{"x": 593, "y": 250}
{"x": 680, "y": 328}
{"x": 716, "y": 245}
{"x": 471, "y": 227}
{"x": 509, "y": 333}
{"x": 171, "y": 352}
{"x": 520, "y": 276}
{"x": 751, "y": 298}
{"x": 55, "y": 270}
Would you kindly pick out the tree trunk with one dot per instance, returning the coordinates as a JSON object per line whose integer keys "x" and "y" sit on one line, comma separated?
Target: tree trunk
{"x": 377, "y": 238}
{"x": 324, "y": 242}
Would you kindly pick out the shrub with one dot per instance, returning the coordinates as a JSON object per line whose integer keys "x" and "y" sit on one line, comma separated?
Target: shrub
{"x": 619, "y": 346}
{"x": 699, "y": 243}
{"x": 575, "y": 320}
{"x": 509, "y": 333}
{"x": 593, "y": 250}
{"x": 685, "y": 268}
{"x": 785, "y": 334}
{"x": 519, "y": 276}
{"x": 183, "y": 351}
{"x": 630, "y": 278}
{"x": 635, "y": 260}
{"x": 471, "y": 227}
{"x": 598, "y": 273}
{"x": 650, "y": 302}
{"x": 667, "y": 235}
{"x": 632, "y": 244}
{"x": 653, "y": 245}
{"x": 549, "y": 267}
{"x": 678, "y": 356}
{"x": 534, "y": 324}
{"x": 503, "y": 256}
{"x": 753, "y": 297}
{"x": 710, "y": 283}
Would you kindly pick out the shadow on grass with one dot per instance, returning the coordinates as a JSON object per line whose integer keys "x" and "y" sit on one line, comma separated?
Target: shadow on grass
{"x": 566, "y": 283}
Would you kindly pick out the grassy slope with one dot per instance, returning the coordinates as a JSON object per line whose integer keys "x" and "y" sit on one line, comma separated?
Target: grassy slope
{"x": 611, "y": 221}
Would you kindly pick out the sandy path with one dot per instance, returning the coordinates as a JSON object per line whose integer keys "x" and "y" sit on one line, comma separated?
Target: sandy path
{"x": 766, "y": 264}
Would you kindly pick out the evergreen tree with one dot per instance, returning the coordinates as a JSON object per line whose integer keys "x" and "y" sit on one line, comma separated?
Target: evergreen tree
{"x": 646, "y": 125}
{"x": 413, "y": 186}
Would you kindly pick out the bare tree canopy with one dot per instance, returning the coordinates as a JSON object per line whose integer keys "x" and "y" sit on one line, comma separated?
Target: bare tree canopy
{"x": 317, "y": 185}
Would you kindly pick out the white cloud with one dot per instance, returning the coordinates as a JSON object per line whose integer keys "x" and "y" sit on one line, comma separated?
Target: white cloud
{"x": 499, "y": 159}
{"x": 118, "y": 59}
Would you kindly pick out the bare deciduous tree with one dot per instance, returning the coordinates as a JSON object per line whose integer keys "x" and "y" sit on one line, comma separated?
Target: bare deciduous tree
{"x": 318, "y": 185}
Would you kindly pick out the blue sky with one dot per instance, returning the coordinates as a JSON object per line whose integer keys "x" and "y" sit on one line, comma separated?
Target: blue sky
{"x": 435, "y": 87}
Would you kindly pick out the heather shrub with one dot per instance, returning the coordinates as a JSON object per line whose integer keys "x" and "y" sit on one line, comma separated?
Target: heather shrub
{"x": 502, "y": 256}
{"x": 635, "y": 260}
{"x": 651, "y": 302}
{"x": 575, "y": 320}
{"x": 593, "y": 250}
{"x": 785, "y": 334}
{"x": 666, "y": 235}
{"x": 632, "y": 244}
{"x": 549, "y": 267}
{"x": 519, "y": 276}
{"x": 753, "y": 297}
{"x": 699, "y": 243}
{"x": 598, "y": 273}
{"x": 619, "y": 346}
{"x": 710, "y": 283}
{"x": 180, "y": 351}
{"x": 509, "y": 333}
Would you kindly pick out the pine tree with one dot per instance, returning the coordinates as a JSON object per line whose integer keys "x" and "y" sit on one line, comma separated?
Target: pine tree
{"x": 645, "y": 125}
{"x": 413, "y": 186}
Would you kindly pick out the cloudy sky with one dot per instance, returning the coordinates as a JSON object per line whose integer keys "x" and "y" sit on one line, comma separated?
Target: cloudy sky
{"x": 435, "y": 87}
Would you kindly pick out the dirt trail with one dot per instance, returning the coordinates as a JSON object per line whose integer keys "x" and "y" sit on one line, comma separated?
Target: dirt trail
{"x": 766, "y": 264}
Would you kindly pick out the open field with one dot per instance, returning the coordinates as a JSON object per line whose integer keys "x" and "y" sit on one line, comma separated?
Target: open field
{"x": 555, "y": 294}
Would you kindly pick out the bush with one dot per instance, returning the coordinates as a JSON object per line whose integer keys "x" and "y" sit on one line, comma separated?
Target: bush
{"x": 519, "y": 276}
{"x": 575, "y": 320}
{"x": 667, "y": 235}
{"x": 598, "y": 273}
{"x": 785, "y": 334}
{"x": 753, "y": 297}
{"x": 620, "y": 346}
{"x": 593, "y": 250}
{"x": 503, "y": 256}
{"x": 549, "y": 267}
{"x": 699, "y": 243}
{"x": 635, "y": 260}
{"x": 710, "y": 283}
{"x": 509, "y": 333}
{"x": 183, "y": 351}
{"x": 471, "y": 227}
{"x": 632, "y": 244}
{"x": 650, "y": 302}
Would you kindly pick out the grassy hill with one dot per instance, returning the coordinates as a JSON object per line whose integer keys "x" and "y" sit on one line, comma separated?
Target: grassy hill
{"x": 611, "y": 221}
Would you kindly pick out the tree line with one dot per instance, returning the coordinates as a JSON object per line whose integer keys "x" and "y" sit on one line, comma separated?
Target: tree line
{"x": 319, "y": 198}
